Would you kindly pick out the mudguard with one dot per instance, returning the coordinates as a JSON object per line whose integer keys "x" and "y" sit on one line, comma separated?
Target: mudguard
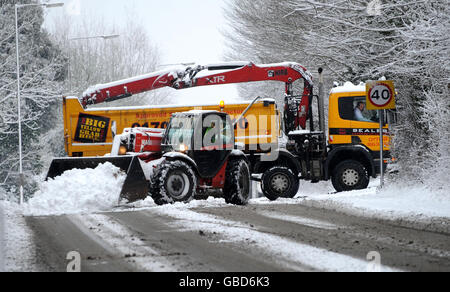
{"x": 171, "y": 156}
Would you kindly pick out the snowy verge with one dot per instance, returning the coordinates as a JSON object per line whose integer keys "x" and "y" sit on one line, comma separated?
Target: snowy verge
{"x": 17, "y": 251}
{"x": 78, "y": 191}
{"x": 408, "y": 206}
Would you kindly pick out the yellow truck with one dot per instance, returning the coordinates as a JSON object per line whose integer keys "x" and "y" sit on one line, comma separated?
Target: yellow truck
{"x": 280, "y": 146}
{"x": 87, "y": 132}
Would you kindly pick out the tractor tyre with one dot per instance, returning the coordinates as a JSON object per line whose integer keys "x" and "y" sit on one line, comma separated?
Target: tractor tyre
{"x": 237, "y": 183}
{"x": 173, "y": 181}
{"x": 279, "y": 181}
{"x": 349, "y": 175}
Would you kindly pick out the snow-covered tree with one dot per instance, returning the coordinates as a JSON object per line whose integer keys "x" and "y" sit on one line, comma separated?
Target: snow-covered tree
{"x": 41, "y": 74}
{"x": 355, "y": 40}
{"x": 98, "y": 60}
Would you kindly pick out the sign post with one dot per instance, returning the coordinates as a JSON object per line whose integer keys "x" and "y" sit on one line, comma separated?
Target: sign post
{"x": 380, "y": 95}
{"x": 381, "y": 116}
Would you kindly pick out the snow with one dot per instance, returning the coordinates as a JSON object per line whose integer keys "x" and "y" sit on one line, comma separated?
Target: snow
{"x": 198, "y": 112}
{"x": 302, "y": 220}
{"x": 408, "y": 205}
{"x": 93, "y": 191}
{"x": 181, "y": 156}
{"x": 401, "y": 201}
{"x": 78, "y": 191}
{"x": 300, "y": 132}
{"x": 299, "y": 68}
{"x": 237, "y": 152}
{"x": 126, "y": 242}
{"x": 149, "y": 167}
{"x": 2, "y": 240}
{"x": 349, "y": 87}
{"x": 73, "y": 193}
{"x": 97, "y": 190}
{"x": 17, "y": 251}
{"x": 393, "y": 201}
{"x": 235, "y": 63}
{"x": 295, "y": 255}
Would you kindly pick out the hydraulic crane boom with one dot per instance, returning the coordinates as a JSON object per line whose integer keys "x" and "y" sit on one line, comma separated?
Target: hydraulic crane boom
{"x": 230, "y": 73}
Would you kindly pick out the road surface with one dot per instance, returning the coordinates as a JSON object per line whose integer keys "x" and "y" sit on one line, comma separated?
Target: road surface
{"x": 254, "y": 238}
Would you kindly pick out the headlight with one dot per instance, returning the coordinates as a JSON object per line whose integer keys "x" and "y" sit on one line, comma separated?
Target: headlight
{"x": 183, "y": 148}
{"x": 122, "y": 150}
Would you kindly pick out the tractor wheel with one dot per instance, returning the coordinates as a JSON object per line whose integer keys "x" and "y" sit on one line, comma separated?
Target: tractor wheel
{"x": 237, "y": 183}
{"x": 279, "y": 181}
{"x": 173, "y": 181}
{"x": 349, "y": 175}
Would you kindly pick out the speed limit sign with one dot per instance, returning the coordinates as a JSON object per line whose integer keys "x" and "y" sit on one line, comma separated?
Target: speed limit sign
{"x": 380, "y": 95}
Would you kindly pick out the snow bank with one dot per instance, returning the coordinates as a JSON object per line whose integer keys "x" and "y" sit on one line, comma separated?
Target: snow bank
{"x": 404, "y": 201}
{"x": 393, "y": 200}
{"x": 412, "y": 206}
{"x": 17, "y": 250}
{"x": 78, "y": 191}
{"x": 409, "y": 206}
{"x": 349, "y": 87}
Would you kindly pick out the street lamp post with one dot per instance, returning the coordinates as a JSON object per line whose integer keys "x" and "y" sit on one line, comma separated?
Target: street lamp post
{"x": 19, "y": 121}
{"x": 104, "y": 37}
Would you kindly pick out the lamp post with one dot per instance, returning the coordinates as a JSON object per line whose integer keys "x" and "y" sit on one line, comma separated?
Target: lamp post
{"x": 104, "y": 37}
{"x": 17, "y": 6}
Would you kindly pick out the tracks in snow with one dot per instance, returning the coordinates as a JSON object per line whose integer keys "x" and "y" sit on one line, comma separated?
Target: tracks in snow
{"x": 258, "y": 238}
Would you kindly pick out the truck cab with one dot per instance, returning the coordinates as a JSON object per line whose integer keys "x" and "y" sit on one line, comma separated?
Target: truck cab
{"x": 354, "y": 144}
{"x": 350, "y": 155}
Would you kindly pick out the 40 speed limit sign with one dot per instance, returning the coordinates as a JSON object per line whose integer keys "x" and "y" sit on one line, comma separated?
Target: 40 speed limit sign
{"x": 380, "y": 95}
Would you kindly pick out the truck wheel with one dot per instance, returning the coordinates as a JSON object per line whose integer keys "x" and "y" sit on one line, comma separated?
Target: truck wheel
{"x": 279, "y": 181}
{"x": 349, "y": 175}
{"x": 237, "y": 183}
{"x": 173, "y": 181}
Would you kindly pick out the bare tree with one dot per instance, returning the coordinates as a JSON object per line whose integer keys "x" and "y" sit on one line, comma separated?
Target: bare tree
{"x": 98, "y": 60}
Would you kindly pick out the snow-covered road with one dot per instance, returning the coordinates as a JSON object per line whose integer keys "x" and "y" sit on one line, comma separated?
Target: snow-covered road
{"x": 319, "y": 230}
{"x": 2, "y": 240}
{"x": 212, "y": 236}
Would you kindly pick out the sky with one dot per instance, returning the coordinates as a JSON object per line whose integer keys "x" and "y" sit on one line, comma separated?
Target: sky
{"x": 186, "y": 31}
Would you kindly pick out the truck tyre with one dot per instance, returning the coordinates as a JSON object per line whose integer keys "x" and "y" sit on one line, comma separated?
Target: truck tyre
{"x": 349, "y": 175}
{"x": 237, "y": 182}
{"x": 173, "y": 181}
{"x": 279, "y": 181}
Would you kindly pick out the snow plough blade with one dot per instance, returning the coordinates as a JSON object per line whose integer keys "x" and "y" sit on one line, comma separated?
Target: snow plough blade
{"x": 135, "y": 186}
